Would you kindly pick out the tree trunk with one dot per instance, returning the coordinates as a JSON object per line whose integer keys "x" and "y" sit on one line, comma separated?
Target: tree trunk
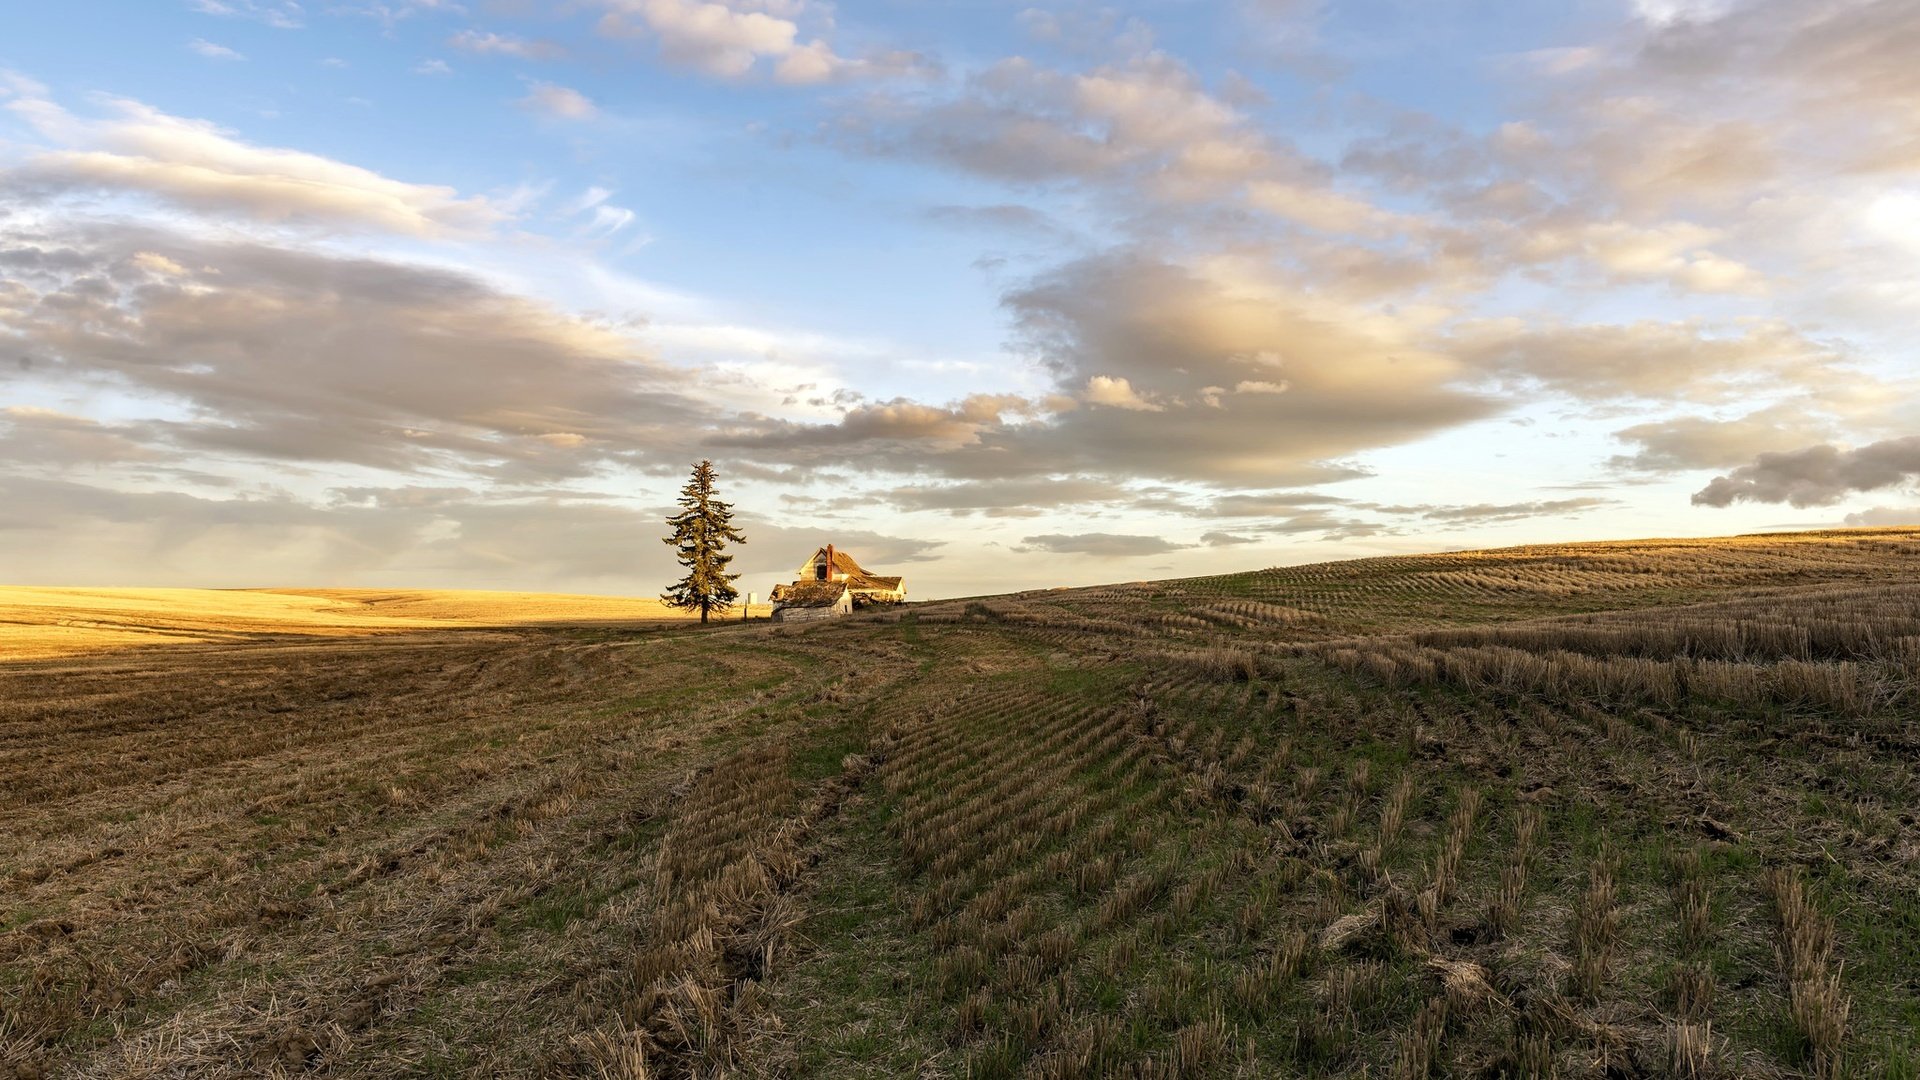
{"x": 703, "y": 614}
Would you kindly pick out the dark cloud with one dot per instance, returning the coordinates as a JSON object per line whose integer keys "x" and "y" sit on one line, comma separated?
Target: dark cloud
{"x": 1693, "y": 442}
{"x": 73, "y": 533}
{"x": 1841, "y": 55}
{"x": 402, "y": 498}
{"x": 777, "y": 548}
{"x": 1102, "y": 545}
{"x": 1664, "y": 360}
{"x": 45, "y": 438}
{"x": 1267, "y": 504}
{"x": 58, "y": 532}
{"x": 1417, "y": 153}
{"x": 302, "y": 357}
{"x": 1162, "y": 373}
{"x": 783, "y": 474}
{"x": 1006, "y": 217}
{"x": 1489, "y": 513}
{"x": 136, "y": 149}
{"x": 900, "y": 420}
{"x": 1819, "y": 475}
{"x": 1230, "y": 382}
{"x": 1342, "y": 518}
{"x": 487, "y": 43}
{"x": 1326, "y": 524}
{"x": 1006, "y": 497}
{"x": 1147, "y": 119}
{"x": 1261, "y": 321}
{"x": 1879, "y": 516}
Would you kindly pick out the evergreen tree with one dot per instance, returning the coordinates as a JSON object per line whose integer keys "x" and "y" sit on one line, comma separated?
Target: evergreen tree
{"x": 701, "y": 532}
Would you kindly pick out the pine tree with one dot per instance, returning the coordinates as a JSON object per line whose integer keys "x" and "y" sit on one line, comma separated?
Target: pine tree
{"x": 701, "y": 532}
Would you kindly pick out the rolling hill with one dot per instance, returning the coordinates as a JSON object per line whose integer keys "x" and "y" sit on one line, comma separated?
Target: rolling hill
{"x": 38, "y": 622}
{"x": 1611, "y": 809}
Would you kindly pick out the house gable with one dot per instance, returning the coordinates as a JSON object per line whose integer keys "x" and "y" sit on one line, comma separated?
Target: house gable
{"x": 830, "y": 577}
{"x": 829, "y": 564}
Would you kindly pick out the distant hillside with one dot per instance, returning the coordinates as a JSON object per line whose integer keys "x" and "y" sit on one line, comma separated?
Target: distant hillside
{"x": 43, "y": 622}
{"x": 1407, "y": 591}
{"x": 1585, "y": 811}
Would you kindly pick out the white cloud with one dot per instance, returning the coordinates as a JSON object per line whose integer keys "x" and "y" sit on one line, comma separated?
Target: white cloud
{"x": 391, "y": 14}
{"x": 564, "y": 102}
{"x": 285, "y": 15}
{"x": 1671, "y": 251}
{"x": 813, "y": 62}
{"x": 154, "y": 262}
{"x": 213, "y": 51}
{"x": 1145, "y": 128}
{"x": 492, "y": 44}
{"x": 710, "y": 36}
{"x": 608, "y": 220}
{"x": 196, "y": 164}
{"x": 432, "y": 67}
{"x": 1725, "y": 185}
{"x": 1894, "y": 217}
{"x": 1118, "y": 393}
{"x": 1707, "y": 272}
{"x": 1563, "y": 60}
{"x": 1653, "y": 360}
{"x": 1665, "y": 12}
{"x": 1326, "y": 210}
{"x": 729, "y": 40}
{"x": 590, "y": 198}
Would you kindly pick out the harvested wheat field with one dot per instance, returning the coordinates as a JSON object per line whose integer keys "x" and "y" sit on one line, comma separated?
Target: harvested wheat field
{"x": 1607, "y": 810}
{"x": 43, "y": 622}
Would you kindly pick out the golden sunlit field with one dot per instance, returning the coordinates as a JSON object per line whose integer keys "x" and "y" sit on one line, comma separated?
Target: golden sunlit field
{"x": 1590, "y": 810}
{"x": 42, "y": 622}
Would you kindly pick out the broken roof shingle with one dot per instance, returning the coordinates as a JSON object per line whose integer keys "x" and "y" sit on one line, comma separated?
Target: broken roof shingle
{"x": 809, "y": 593}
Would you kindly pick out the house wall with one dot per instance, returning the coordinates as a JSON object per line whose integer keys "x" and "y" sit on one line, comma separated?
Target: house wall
{"x": 812, "y": 614}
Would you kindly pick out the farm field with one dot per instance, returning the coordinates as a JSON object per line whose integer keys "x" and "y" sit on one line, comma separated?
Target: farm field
{"x": 1585, "y": 810}
{"x": 44, "y": 622}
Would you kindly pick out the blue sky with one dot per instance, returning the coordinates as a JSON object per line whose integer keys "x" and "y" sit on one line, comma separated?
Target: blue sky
{"x": 993, "y": 295}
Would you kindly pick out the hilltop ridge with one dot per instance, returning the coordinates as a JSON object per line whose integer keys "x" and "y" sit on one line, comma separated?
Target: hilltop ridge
{"x": 1624, "y": 809}
{"x": 1353, "y": 594}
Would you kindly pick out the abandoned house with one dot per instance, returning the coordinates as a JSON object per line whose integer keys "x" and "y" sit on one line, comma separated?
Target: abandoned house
{"x": 830, "y": 583}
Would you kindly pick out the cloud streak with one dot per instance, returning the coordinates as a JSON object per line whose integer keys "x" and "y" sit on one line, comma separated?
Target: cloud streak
{"x": 285, "y": 15}
{"x": 1819, "y": 475}
{"x": 735, "y": 39}
{"x": 1102, "y": 545}
{"x": 558, "y": 101}
{"x": 486, "y": 43}
{"x": 212, "y": 50}
{"x": 137, "y": 149}
{"x": 302, "y": 357}
{"x": 1234, "y": 307}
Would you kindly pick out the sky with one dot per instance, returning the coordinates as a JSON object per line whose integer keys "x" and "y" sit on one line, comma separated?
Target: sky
{"x": 419, "y": 293}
